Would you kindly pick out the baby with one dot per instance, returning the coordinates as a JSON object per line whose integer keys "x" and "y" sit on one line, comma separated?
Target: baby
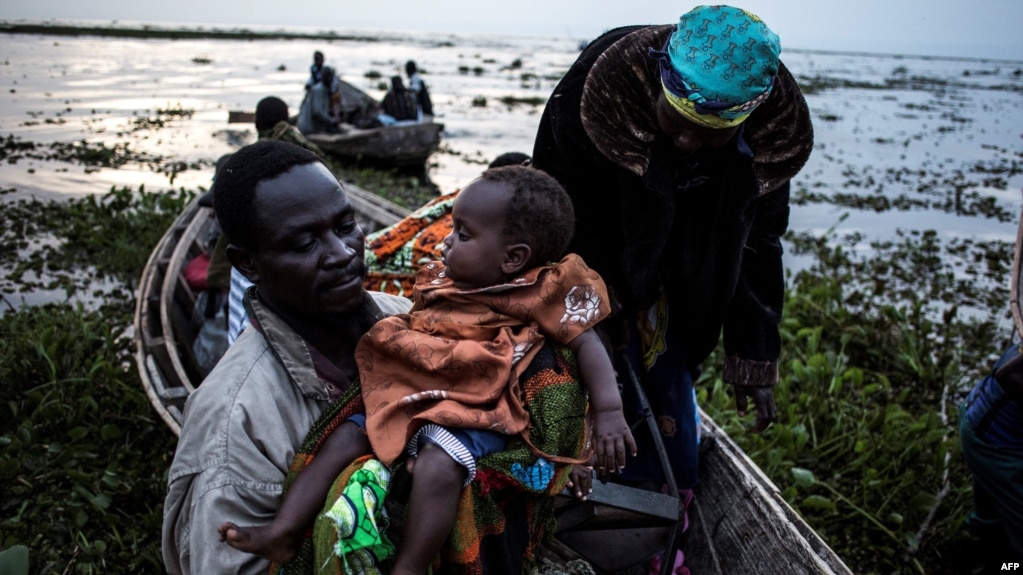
{"x": 441, "y": 383}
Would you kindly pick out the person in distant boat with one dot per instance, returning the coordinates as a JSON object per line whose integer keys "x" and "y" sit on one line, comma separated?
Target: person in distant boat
{"x": 418, "y": 87}
{"x": 273, "y": 122}
{"x": 315, "y": 71}
{"x": 441, "y": 384}
{"x": 677, "y": 145}
{"x": 315, "y": 114}
{"x": 294, "y": 234}
{"x": 399, "y": 104}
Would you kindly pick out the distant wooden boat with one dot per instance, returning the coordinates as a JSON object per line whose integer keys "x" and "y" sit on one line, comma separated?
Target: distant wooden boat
{"x": 403, "y": 145}
{"x": 399, "y": 145}
{"x": 740, "y": 522}
{"x": 241, "y": 117}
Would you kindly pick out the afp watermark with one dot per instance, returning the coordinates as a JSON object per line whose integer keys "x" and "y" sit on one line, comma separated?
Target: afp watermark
{"x": 1010, "y": 566}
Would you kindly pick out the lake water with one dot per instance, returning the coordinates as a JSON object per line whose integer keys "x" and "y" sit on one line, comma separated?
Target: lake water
{"x": 902, "y": 143}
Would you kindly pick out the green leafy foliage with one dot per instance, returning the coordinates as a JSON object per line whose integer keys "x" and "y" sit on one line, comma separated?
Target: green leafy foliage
{"x": 47, "y": 245}
{"x": 407, "y": 190}
{"x": 84, "y": 456}
{"x": 878, "y": 351}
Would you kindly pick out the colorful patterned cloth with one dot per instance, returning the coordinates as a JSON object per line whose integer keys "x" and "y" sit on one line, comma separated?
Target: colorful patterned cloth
{"x": 455, "y": 359}
{"x": 504, "y": 515}
{"x": 395, "y": 254}
{"x": 360, "y": 520}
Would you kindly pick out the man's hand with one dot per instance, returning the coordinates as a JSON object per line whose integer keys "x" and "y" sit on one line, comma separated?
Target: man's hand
{"x": 763, "y": 399}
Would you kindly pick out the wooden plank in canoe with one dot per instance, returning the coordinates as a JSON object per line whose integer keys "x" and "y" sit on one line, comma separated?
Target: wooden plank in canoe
{"x": 241, "y": 117}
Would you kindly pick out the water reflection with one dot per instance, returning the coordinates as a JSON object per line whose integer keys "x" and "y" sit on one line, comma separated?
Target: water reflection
{"x": 921, "y": 133}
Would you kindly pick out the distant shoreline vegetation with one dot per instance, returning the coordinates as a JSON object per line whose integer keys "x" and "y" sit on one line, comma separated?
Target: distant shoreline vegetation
{"x": 151, "y": 31}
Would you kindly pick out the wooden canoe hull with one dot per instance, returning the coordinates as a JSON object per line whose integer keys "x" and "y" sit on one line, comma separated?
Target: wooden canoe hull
{"x": 401, "y": 145}
{"x": 739, "y": 521}
{"x": 398, "y": 146}
{"x": 1015, "y": 283}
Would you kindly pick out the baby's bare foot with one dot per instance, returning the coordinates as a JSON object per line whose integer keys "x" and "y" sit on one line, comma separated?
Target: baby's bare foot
{"x": 260, "y": 540}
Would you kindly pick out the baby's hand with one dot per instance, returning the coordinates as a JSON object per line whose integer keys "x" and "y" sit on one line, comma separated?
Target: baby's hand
{"x": 580, "y": 481}
{"x": 611, "y": 438}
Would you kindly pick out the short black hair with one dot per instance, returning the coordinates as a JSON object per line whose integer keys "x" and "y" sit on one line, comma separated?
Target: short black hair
{"x": 234, "y": 190}
{"x": 410, "y": 67}
{"x": 510, "y": 159}
{"x": 269, "y": 111}
{"x": 539, "y": 213}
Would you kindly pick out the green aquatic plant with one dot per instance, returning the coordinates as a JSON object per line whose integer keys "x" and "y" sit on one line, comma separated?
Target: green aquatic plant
{"x": 84, "y": 456}
{"x": 162, "y": 117}
{"x": 878, "y": 351}
{"x": 407, "y": 190}
{"x": 518, "y": 100}
{"x": 47, "y": 245}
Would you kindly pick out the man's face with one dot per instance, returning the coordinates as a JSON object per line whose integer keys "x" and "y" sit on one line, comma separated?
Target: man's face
{"x": 309, "y": 258}
{"x": 318, "y": 60}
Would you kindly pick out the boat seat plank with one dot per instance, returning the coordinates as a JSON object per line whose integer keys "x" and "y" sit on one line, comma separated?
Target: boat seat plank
{"x": 168, "y": 409}
{"x": 612, "y": 551}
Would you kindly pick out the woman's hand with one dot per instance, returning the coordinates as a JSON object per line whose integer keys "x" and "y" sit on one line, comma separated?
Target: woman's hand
{"x": 580, "y": 481}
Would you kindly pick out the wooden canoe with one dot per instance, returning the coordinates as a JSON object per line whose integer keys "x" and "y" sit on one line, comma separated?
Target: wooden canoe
{"x": 1015, "y": 283}
{"x": 403, "y": 145}
{"x": 740, "y": 522}
{"x": 398, "y": 145}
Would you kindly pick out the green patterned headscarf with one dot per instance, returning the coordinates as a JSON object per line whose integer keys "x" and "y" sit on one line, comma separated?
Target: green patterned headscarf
{"x": 718, "y": 65}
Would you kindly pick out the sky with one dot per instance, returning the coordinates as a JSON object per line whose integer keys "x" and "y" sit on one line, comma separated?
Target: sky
{"x": 954, "y": 28}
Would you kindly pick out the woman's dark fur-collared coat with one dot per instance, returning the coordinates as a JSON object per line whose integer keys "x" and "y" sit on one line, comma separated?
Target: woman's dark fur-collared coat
{"x": 706, "y": 227}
